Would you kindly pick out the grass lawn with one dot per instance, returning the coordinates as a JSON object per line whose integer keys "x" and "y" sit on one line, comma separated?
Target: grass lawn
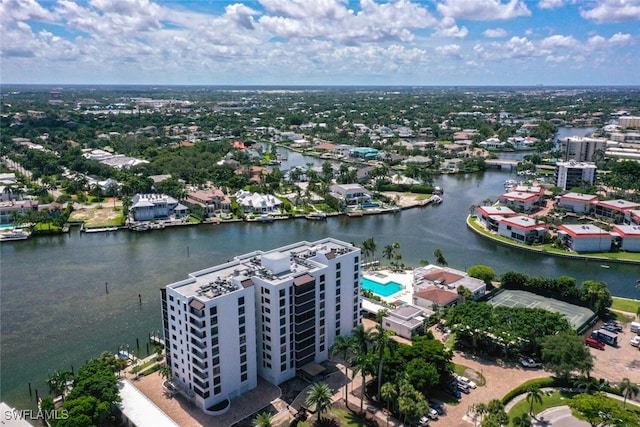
{"x": 624, "y": 304}
{"x": 621, "y": 317}
{"x": 557, "y": 398}
{"x": 347, "y": 419}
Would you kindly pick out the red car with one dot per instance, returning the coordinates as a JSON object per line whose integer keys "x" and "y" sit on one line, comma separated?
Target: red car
{"x": 592, "y": 342}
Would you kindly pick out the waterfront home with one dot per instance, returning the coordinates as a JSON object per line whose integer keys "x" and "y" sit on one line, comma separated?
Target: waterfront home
{"x": 351, "y": 194}
{"x": 366, "y": 153}
{"x": 577, "y": 202}
{"x": 405, "y": 321}
{"x": 614, "y": 210}
{"x": 521, "y": 202}
{"x": 448, "y": 279}
{"x": 490, "y": 216}
{"x": 522, "y": 229}
{"x": 492, "y": 142}
{"x": 629, "y": 237}
{"x": 417, "y": 160}
{"x": 149, "y": 207}
{"x": 585, "y": 237}
{"x": 433, "y": 297}
{"x": 211, "y": 200}
{"x": 342, "y": 150}
{"x": 257, "y": 203}
{"x": 19, "y": 207}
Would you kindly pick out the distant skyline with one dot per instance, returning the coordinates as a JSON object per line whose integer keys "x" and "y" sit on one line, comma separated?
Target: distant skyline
{"x": 321, "y": 42}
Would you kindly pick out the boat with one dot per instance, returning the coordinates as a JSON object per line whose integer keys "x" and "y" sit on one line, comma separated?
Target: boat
{"x": 15, "y": 234}
{"x": 316, "y": 216}
{"x": 100, "y": 229}
{"x": 435, "y": 199}
{"x": 604, "y": 266}
{"x": 264, "y": 218}
{"x": 354, "y": 213}
{"x": 140, "y": 227}
{"x": 438, "y": 190}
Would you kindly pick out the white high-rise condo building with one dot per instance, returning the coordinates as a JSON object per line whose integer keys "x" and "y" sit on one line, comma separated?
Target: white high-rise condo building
{"x": 574, "y": 174}
{"x": 271, "y": 314}
{"x": 582, "y": 149}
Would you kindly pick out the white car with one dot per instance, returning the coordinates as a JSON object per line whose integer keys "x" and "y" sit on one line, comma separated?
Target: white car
{"x": 635, "y": 341}
{"x": 467, "y": 381}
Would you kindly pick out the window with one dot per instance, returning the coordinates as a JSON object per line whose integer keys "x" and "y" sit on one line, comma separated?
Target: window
{"x": 282, "y": 292}
{"x": 217, "y": 389}
{"x": 241, "y": 320}
{"x": 242, "y": 330}
{"x": 337, "y": 274}
{"x": 322, "y": 278}
{"x": 240, "y": 311}
{"x": 356, "y": 276}
{"x": 241, "y": 301}
{"x": 338, "y": 265}
{"x": 243, "y": 377}
{"x": 170, "y": 297}
{"x": 213, "y": 311}
{"x": 243, "y": 367}
{"x": 243, "y": 358}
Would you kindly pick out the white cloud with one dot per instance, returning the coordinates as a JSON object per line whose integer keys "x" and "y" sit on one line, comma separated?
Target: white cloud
{"x": 553, "y": 4}
{"x": 483, "y": 10}
{"x": 452, "y": 50}
{"x": 448, "y": 28}
{"x": 495, "y": 33}
{"x": 613, "y": 11}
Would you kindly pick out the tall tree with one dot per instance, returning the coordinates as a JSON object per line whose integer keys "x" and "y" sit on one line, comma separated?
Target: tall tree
{"x": 534, "y": 395}
{"x": 565, "y": 352}
{"x": 382, "y": 342}
{"x": 342, "y": 346}
{"x": 628, "y": 389}
{"x": 440, "y": 259}
{"x": 363, "y": 363}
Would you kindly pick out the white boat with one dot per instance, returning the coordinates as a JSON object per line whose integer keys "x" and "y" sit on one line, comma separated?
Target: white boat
{"x": 15, "y": 234}
{"x": 100, "y": 230}
{"x": 264, "y": 218}
{"x": 435, "y": 199}
{"x": 316, "y": 216}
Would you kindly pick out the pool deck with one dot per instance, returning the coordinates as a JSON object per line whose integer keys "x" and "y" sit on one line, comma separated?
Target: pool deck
{"x": 404, "y": 278}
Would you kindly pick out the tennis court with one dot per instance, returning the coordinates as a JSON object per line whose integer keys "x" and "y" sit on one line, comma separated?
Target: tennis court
{"x": 575, "y": 314}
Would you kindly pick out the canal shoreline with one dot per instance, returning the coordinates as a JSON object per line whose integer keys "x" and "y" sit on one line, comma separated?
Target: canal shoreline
{"x": 574, "y": 256}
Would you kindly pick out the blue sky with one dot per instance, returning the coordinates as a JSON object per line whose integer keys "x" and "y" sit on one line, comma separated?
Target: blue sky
{"x": 321, "y": 42}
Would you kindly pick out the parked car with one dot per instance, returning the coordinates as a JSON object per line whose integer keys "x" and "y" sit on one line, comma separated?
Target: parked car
{"x": 438, "y": 406}
{"x": 530, "y": 364}
{"x": 453, "y": 391}
{"x": 463, "y": 387}
{"x": 635, "y": 341}
{"x": 594, "y": 343}
{"x": 467, "y": 381}
{"x": 614, "y": 324}
{"x": 424, "y": 421}
{"x": 611, "y": 328}
{"x": 433, "y": 414}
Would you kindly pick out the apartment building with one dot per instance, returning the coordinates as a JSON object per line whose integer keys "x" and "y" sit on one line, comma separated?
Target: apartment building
{"x": 574, "y": 174}
{"x": 271, "y": 314}
{"x": 581, "y": 148}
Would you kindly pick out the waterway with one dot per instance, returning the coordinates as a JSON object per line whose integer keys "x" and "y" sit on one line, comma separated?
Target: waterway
{"x": 56, "y": 312}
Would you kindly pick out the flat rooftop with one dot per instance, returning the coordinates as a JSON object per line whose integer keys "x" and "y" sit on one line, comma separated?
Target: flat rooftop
{"x": 275, "y": 266}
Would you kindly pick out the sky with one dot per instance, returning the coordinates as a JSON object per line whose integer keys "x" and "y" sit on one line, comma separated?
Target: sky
{"x": 321, "y": 42}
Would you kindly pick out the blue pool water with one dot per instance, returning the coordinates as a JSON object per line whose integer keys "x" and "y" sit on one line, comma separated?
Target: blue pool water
{"x": 384, "y": 290}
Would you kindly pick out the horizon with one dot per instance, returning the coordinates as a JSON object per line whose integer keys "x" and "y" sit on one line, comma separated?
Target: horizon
{"x": 336, "y": 43}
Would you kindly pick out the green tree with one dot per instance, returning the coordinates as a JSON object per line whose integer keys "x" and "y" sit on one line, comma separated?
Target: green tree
{"x": 263, "y": 419}
{"x": 343, "y": 346}
{"x": 524, "y": 420}
{"x": 382, "y": 342}
{"x": 565, "y": 352}
{"x": 628, "y": 389}
{"x": 598, "y": 295}
{"x": 534, "y": 395}
{"x": 440, "y": 259}
{"x": 363, "y": 363}
{"x": 389, "y": 394}
{"x": 599, "y": 410}
{"x": 482, "y": 272}
{"x": 58, "y": 382}
{"x": 320, "y": 397}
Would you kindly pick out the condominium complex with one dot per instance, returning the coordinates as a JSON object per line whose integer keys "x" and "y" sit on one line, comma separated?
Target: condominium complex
{"x": 271, "y": 314}
{"x": 582, "y": 149}
{"x": 574, "y": 174}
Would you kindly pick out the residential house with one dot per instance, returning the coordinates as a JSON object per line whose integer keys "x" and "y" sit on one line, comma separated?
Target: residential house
{"x": 490, "y": 216}
{"x": 577, "y": 202}
{"x": 522, "y": 229}
{"x": 211, "y": 200}
{"x": 629, "y": 237}
{"x": 614, "y": 210}
{"x": 149, "y": 207}
{"x": 448, "y": 279}
{"x": 257, "y": 203}
{"x": 351, "y": 194}
{"x": 342, "y": 150}
{"x": 366, "y": 153}
{"x": 585, "y": 237}
{"x": 405, "y": 321}
{"x": 16, "y": 207}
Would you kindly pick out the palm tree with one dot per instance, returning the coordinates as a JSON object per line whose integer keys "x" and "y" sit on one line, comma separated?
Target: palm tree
{"x": 381, "y": 342}
{"x": 387, "y": 252}
{"x": 320, "y": 397}
{"x": 342, "y": 345}
{"x": 263, "y": 419}
{"x": 389, "y": 394}
{"x": 481, "y": 409}
{"x": 440, "y": 259}
{"x": 534, "y": 395}
{"x": 360, "y": 339}
{"x": 57, "y": 382}
{"x": 523, "y": 420}
{"x": 363, "y": 363}
{"x": 628, "y": 389}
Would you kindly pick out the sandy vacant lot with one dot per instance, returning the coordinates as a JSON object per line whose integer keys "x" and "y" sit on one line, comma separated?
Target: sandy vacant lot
{"x": 96, "y": 215}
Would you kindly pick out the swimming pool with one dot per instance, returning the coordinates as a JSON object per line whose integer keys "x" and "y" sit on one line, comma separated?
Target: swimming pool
{"x": 382, "y": 289}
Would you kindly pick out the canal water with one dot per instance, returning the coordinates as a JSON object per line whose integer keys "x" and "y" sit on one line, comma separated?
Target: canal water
{"x": 56, "y": 312}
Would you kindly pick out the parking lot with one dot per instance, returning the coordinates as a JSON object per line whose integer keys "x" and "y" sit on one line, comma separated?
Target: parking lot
{"x": 616, "y": 363}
